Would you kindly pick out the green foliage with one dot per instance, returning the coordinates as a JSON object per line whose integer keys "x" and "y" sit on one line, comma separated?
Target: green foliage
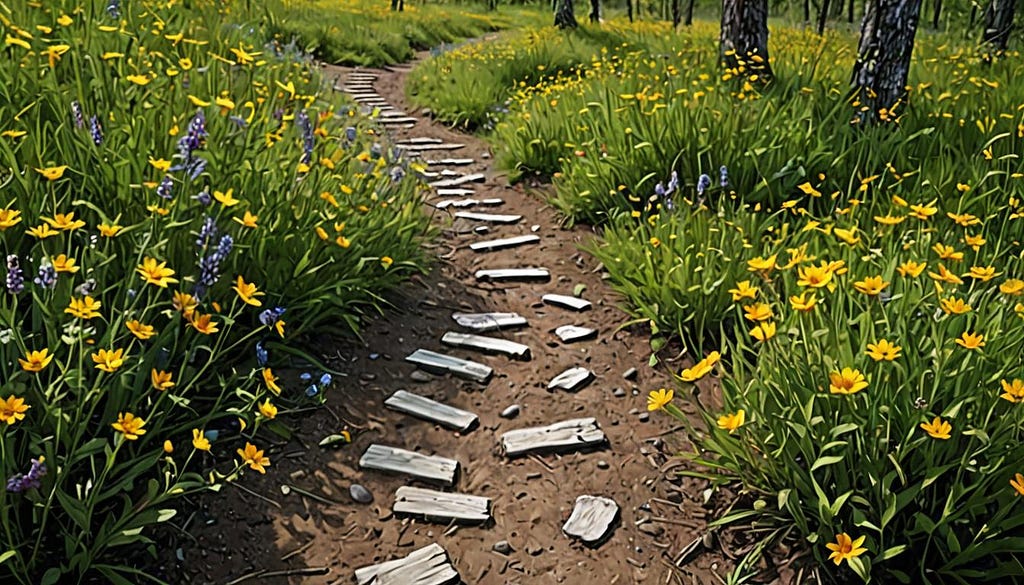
{"x": 282, "y": 197}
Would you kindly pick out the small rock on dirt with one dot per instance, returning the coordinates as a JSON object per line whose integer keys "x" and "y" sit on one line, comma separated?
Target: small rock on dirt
{"x": 420, "y": 376}
{"x": 602, "y": 464}
{"x": 619, "y": 393}
{"x": 511, "y": 412}
{"x": 360, "y": 494}
{"x": 503, "y": 547}
{"x": 630, "y": 374}
{"x": 645, "y": 416}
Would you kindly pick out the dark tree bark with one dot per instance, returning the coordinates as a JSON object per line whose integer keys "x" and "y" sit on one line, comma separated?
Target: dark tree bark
{"x": 744, "y": 38}
{"x": 807, "y": 11}
{"x": 677, "y": 16}
{"x": 883, "y": 57}
{"x": 849, "y": 11}
{"x": 398, "y": 5}
{"x": 629, "y": 10}
{"x": 998, "y": 22}
{"x": 689, "y": 13}
{"x": 936, "y": 13}
{"x": 565, "y": 17}
{"x": 595, "y": 10}
{"x": 823, "y": 16}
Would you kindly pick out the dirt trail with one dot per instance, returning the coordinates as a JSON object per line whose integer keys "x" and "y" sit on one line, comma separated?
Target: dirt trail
{"x": 301, "y": 537}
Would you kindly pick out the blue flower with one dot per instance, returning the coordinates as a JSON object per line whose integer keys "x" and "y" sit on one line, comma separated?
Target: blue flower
{"x": 703, "y": 182}
{"x": 47, "y": 275}
{"x": 15, "y": 276}
{"x": 77, "y": 115}
{"x": 269, "y": 317}
{"x": 723, "y": 176}
{"x": 19, "y": 483}
{"x": 96, "y": 130}
{"x": 262, "y": 357}
{"x": 165, "y": 188}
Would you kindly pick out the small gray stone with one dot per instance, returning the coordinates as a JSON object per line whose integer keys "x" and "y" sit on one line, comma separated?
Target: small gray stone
{"x": 503, "y": 547}
{"x": 360, "y": 494}
{"x": 619, "y": 393}
{"x": 651, "y": 529}
{"x": 420, "y": 376}
{"x": 511, "y": 411}
{"x": 602, "y": 464}
{"x": 630, "y": 374}
{"x": 645, "y": 416}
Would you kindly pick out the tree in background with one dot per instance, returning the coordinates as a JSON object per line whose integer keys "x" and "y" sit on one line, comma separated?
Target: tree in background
{"x": 595, "y": 10}
{"x": 879, "y": 81}
{"x": 744, "y": 37}
{"x": 676, "y": 16}
{"x": 564, "y": 15}
{"x": 398, "y": 5}
{"x": 998, "y": 22}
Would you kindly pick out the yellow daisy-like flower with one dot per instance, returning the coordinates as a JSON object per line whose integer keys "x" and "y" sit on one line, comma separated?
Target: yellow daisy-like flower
{"x": 884, "y": 350}
{"x": 802, "y": 302}
{"x": 248, "y": 220}
{"x": 743, "y": 290}
{"x": 924, "y": 212}
{"x": 1013, "y": 391}
{"x": 138, "y": 79}
{"x": 701, "y": 368}
{"x": 944, "y": 275}
{"x": 844, "y": 549}
{"x": 947, "y": 253}
{"x": 140, "y": 330}
{"x": 271, "y": 381}
{"x": 161, "y": 380}
{"x": 64, "y": 264}
{"x": 659, "y": 399}
{"x": 267, "y": 410}
{"x": 160, "y": 164}
{"x": 35, "y": 361}
{"x": 911, "y": 269}
{"x": 846, "y": 381}
{"x": 8, "y": 218}
{"x": 109, "y": 231}
{"x": 938, "y": 429}
{"x": 732, "y": 421}
{"x": 184, "y": 303}
{"x": 199, "y": 440}
{"x": 254, "y": 458}
{"x": 42, "y": 232}
{"x": 247, "y": 292}
{"x": 763, "y": 331}
{"x": 1013, "y": 286}
{"x": 757, "y": 312}
{"x": 52, "y": 173}
{"x": 86, "y": 308}
{"x": 954, "y": 306}
{"x": 64, "y": 221}
{"x": 871, "y": 285}
{"x": 761, "y": 264}
{"x": 156, "y": 273}
{"x": 975, "y": 242}
{"x": 1017, "y": 483}
{"x": 12, "y": 409}
{"x": 130, "y": 426}
{"x": 226, "y": 198}
{"x": 971, "y": 340}
{"x": 814, "y": 276}
{"x": 982, "y": 273}
{"x": 204, "y": 324}
{"x": 108, "y": 360}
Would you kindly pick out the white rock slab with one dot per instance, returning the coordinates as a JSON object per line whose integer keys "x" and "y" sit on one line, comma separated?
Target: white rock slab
{"x": 571, "y": 380}
{"x": 423, "y": 147}
{"x": 421, "y": 140}
{"x": 569, "y": 435}
{"x": 431, "y": 410}
{"x": 441, "y": 363}
{"x": 443, "y": 507}
{"x": 462, "y": 180}
{"x": 489, "y": 217}
{"x": 571, "y": 333}
{"x": 507, "y": 274}
{"x": 462, "y": 203}
{"x": 450, "y": 162}
{"x": 406, "y": 120}
{"x": 455, "y": 192}
{"x": 395, "y": 460}
{"x": 487, "y": 344}
{"x": 503, "y": 243}
{"x": 393, "y": 114}
{"x": 567, "y": 302}
{"x": 592, "y": 519}
{"x": 481, "y": 322}
{"x": 429, "y": 565}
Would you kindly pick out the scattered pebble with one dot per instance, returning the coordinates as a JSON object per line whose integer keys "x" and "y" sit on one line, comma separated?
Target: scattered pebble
{"x": 511, "y": 411}
{"x": 360, "y": 494}
{"x": 374, "y": 356}
{"x": 602, "y": 464}
{"x": 619, "y": 393}
{"x": 645, "y": 416}
{"x": 630, "y": 374}
{"x": 651, "y": 529}
{"x": 503, "y": 547}
{"x": 420, "y": 376}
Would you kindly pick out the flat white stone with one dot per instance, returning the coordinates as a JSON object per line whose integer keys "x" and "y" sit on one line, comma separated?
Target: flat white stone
{"x": 395, "y": 460}
{"x": 569, "y": 435}
{"x": 421, "y": 140}
{"x": 406, "y": 120}
{"x": 423, "y": 147}
{"x": 440, "y": 363}
{"x": 427, "y": 566}
{"x": 518, "y": 274}
{"x": 570, "y": 333}
{"x": 482, "y": 322}
{"x": 489, "y": 217}
{"x": 451, "y": 162}
{"x": 455, "y": 192}
{"x": 592, "y": 519}
{"x": 461, "y": 180}
{"x": 567, "y": 302}
{"x": 492, "y": 245}
{"x": 571, "y": 380}
{"x": 487, "y": 344}
{"x": 393, "y": 114}
{"x": 431, "y": 410}
{"x": 443, "y": 507}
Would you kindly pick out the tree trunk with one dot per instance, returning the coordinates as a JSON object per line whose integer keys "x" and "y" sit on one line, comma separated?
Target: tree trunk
{"x": 629, "y": 10}
{"x": 849, "y": 11}
{"x": 823, "y": 16}
{"x": 936, "y": 13}
{"x": 807, "y": 11}
{"x": 744, "y": 38}
{"x": 998, "y": 22}
{"x": 689, "y": 13}
{"x": 564, "y": 16}
{"x": 879, "y": 78}
{"x": 595, "y": 10}
{"x": 677, "y": 16}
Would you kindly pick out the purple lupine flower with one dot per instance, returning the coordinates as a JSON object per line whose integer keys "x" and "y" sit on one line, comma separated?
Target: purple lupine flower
{"x": 96, "y": 130}
{"x": 262, "y": 357}
{"x": 19, "y": 483}
{"x": 350, "y": 133}
{"x": 194, "y": 139}
{"x": 308, "y": 144}
{"x": 165, "y": 190}
{"x": 723, "y": 176}
{"x": 673, "y": 183}
{"x": 376, "y": 151}
{"x": 268, "y": 317}
{"x": 209, "y": 266}
{"x": 86, "y": 288}
{"x": 207, "y": 233}
{"x": 15, "y": 277}
{"x": 77, "y": 115}
{"x": 397, "y": 174}
{"x": 47, "y": 275}
{"x": 114, "y": 9}
{"x": 203, "y": 197}
{"x": 659, "y": 190}
{"x": 703, "y": 182}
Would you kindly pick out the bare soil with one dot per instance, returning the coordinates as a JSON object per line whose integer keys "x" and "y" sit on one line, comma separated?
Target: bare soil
{"x": 251, "y": 532}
